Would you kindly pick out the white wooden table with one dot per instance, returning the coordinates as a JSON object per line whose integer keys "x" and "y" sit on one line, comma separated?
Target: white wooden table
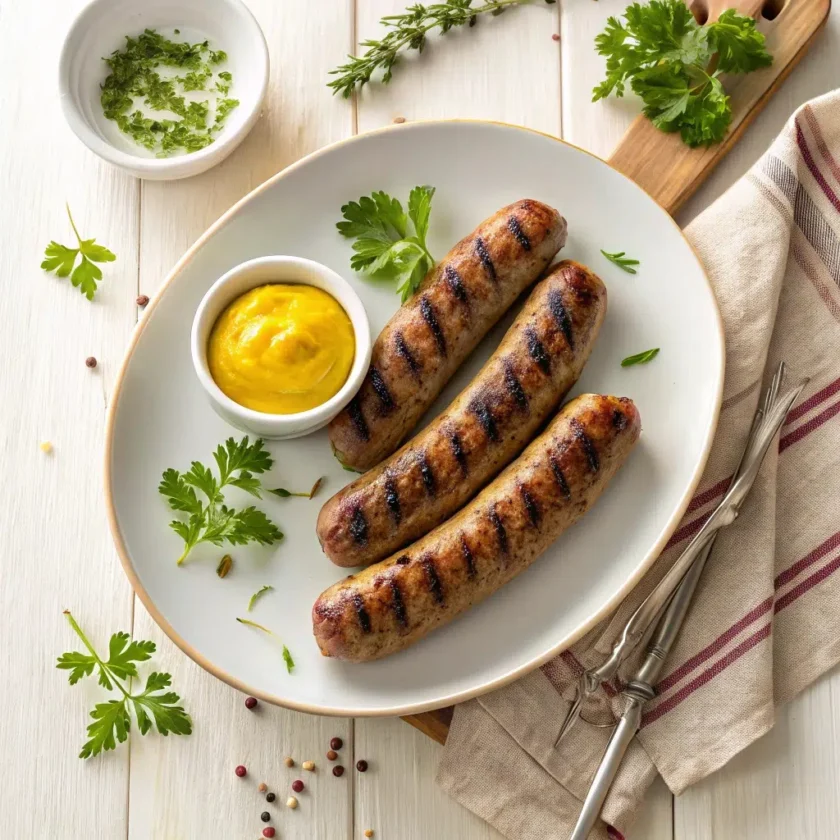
{"x": 57, "y": 551}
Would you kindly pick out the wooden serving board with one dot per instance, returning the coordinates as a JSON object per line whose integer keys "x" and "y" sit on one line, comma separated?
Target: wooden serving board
{"x": 671, "y": 171}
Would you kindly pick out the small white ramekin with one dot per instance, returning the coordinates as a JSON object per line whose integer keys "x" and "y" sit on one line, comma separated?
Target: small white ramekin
{"x": 101, "y": 27}
{"x": 258, "y": 272}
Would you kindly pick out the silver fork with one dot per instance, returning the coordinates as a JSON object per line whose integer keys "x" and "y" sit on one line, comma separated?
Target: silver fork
{"x": 766, "y": 423}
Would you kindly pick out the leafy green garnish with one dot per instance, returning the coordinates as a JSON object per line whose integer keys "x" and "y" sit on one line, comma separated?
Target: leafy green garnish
{"x": 112, "y": 720}
{"x": 285, "y": 494}
{"x": 621, "y": 261}
{"x": 257, "y": 595}
{"x": 383, "y": 246}
{"x": 674, "y": 65}
{"x": 134, "y": 77}
{"x": 287, "y": 656}
{"x": 213, "y": 521}
{"x": 61, "y": 259}
{"x": 640, "y": 358}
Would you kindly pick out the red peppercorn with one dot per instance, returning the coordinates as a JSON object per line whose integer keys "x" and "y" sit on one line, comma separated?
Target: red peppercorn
{"x": 361, "y": 765}
{"x": 268, "y": 832}
{"x": 336, "y": 743}
{"x": 250, "y": 702}
{"x": 241, "y": 771}
{"x": 338, "y": 770}
{"x": 555, "y": 37}
{"x": 90, "y": 361}
{"x": 297, "y": 785}
{"x": 142, "y": 300}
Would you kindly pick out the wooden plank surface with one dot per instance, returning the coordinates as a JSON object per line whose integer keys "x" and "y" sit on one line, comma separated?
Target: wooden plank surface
{"x": 57, "y": 552}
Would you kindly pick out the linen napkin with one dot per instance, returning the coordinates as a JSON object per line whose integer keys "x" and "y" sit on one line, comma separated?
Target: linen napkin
{"x": 765, "y": 621}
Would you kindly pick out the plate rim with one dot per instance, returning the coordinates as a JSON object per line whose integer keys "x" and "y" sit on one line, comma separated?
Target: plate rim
{"x": 516, "y": 673}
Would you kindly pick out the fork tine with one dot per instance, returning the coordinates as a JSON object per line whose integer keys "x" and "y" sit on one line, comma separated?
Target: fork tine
{"x": 574, "y": 712}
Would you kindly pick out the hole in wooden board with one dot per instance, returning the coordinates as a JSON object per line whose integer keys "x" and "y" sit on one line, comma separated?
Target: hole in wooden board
{"x": 771, "y": 9}
{"x": 701, "y": 11}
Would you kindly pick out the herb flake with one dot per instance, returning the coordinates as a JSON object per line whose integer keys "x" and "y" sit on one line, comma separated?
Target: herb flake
{"x": 287, "y": 656}
{"x": 640, "y": 358}
{"x": 257, "y": 595}
{"x": 624, "y": 263}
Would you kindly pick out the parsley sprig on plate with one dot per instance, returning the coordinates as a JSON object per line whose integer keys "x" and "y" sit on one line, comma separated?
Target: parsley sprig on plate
{"x": 674, "y": 65}
{"x": 62, "y": 260}
{"x": 213, "y": 521}
{"x": 154, "y": 706}
{"x": 384, "y": 247}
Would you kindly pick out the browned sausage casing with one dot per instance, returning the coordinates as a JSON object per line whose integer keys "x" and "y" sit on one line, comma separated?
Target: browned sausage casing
{"x": 485, "y": 428}
{"x": 391, "y": 605}
{"x": 432, "y": 333}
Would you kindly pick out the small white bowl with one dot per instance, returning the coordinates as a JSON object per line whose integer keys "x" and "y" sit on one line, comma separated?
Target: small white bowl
{"x": 101, "y": 28}
{"x": 258, "y": 272}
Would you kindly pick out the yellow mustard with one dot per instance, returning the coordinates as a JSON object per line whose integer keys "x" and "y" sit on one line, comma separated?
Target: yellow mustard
{"x": 282, "y": 349}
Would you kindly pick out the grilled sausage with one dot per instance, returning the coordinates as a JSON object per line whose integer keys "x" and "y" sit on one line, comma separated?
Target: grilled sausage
{"x": 483, "y": 430}
{"x": 438, "y": 327}
{"x": 391, "y": 605}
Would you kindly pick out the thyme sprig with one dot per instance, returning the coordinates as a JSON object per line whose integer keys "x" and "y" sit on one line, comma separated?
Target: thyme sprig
{"x": 408, "y": 31}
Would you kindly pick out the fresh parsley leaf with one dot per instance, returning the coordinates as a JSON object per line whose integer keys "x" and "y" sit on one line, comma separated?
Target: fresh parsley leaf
{"x": 287, "y": 656}
{"x": 624, "y": 263}
{"x": 111, "y": 721}
{"x": 86, "y": 275}
{"x": 383, "y": 246}
{"x": 213, "y": 521}
{"x": 640, "y": 358}
{"x": 674, "y": 65}
{"x": 257, "y": 595}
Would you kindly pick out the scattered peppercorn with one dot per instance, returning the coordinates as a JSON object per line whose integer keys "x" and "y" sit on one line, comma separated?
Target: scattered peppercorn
{"x": 90, "y": 361}
{"x": 262, "y": 787}
{"x": 265, "y": 816}
{"x": 399, "y": 120}
{"x": 268, "y": 831}
{"x": 46, "y": 447}
{"x": 241, "y": 771}
{"x": 270, "y": 797}
{"x": 368, "y": 832}
{"x": 250, "y": 702}
{"x": 555, "y": 37}
{"x": 332, "y": 755}
{"x": 291, "y": 802}
{"x": 297, "y": 785}
{"x": 336, "y": 743}
{"x": 142, "y": 300}
{"x": 308, "y": 765}
{"x": 289, "y": 761}
{"x": 338, "y": 770}
{"x": 362, "y": 765}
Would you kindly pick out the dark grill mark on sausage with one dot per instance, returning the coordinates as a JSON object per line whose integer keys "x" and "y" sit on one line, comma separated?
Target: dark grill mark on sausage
{"x": 456, "y": 285}
{"x": 358, "y": 419}
{"x": 513, "y": 385}
{"x": 484, "y": 256}
{"x": 428, "y": 313}
{"x": 482, "y": 411}
{"x": 392, "y": 499}
{"x": 536, "y": 350}
{"x": 405, "y": 354}
{"x": 403, "y": 561}
{"x": 561, "y": 316}
{"x": 361, "y": 613}
{"x": 588, "y": 446}
{"x": 619, "y": 421}
{"x": 557, "y": 471}
{"x": 516, "y": 230}
{"x": 468, "y": 557}
{"x": 358, "y": 526}
{"x": 457, "y": 450}
{"x": 501, "y": 533}
{"x": 432, "y": 579}
{"x": 397, "y": 604}
{"x": 381, "y": 389}
{"x": 531, "y": 507}
{"x": 428, "y": 475}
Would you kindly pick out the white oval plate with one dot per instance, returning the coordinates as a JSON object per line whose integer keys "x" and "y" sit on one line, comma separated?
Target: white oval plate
{"x": 159, "y": 418}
